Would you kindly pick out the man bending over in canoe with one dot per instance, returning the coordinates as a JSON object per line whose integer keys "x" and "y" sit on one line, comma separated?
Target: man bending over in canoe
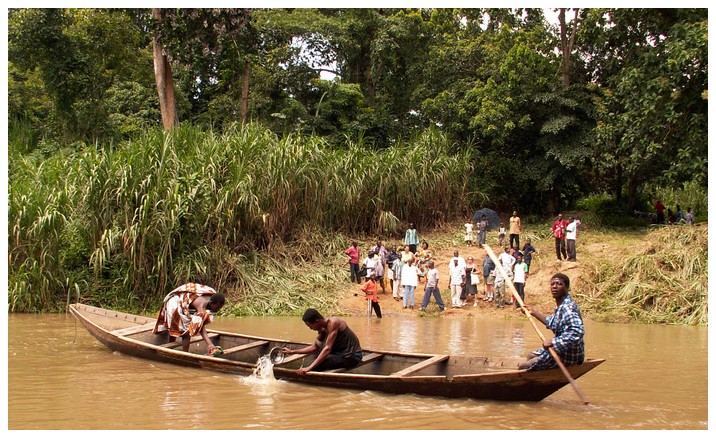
{"x": 336, "y": 343}
{"x": 567, "y": 325}
{"x": 186, "y": 312}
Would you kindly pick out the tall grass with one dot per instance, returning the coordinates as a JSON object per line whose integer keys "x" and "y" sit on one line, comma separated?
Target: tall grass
{"x": 667, "y": 283}
{"x": 123, "y": 225}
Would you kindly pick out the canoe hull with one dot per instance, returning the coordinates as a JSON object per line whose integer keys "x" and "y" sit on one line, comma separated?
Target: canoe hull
{"x": 389, "y": 372}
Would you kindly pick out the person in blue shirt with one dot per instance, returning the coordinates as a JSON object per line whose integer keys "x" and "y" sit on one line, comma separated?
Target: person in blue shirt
{"x": 567, "y": 325}
{"x": 488, "y": 272}
{"x": 527, "y": 251}
{"x": 411, "y": 238}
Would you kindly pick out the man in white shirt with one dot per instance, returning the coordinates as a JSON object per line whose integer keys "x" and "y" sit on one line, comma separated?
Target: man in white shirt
{"x": 572, "y": 240}
{"x": 457, "y": 281}
{"x": 507, "y": 262}
{"x": 369, "y": 264}
{"x": 521, "y": 272}
{"x": 460, "y": 260}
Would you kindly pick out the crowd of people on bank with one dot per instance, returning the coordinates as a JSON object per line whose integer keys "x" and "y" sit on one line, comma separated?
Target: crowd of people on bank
{"x": 403, "y": 271}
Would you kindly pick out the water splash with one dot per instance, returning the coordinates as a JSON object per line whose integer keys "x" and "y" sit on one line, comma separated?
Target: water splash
{"x": 263, "y": 369}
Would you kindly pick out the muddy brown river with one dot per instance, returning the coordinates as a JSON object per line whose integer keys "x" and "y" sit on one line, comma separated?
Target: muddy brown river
{"x": 59, "y": 377}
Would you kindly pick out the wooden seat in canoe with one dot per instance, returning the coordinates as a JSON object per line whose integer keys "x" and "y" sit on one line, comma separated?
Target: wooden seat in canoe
{"x": 135, "y": 329}
{"x": 368, "y": 358}
{"x": 420, "y": 365}
{"x": 193, "y": 340}
{"x": 244, "y": 347}
{"x": 292, "y": 358}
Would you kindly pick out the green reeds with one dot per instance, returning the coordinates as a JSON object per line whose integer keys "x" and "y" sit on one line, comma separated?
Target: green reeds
{"x": 131, "y": 222}
{"x": 667, "y": 283}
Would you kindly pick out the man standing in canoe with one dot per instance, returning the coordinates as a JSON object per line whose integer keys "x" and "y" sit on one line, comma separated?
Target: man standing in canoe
{"x": 187, "y": 310}
{"x": 566, "y": 323}
{"x": 336, "y": 343}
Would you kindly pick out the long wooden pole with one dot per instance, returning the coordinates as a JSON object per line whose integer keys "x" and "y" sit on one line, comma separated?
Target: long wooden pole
{"x": 551, "y": 350}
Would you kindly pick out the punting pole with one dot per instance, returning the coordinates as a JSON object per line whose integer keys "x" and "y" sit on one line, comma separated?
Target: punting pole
{"x": 517, "y": 297}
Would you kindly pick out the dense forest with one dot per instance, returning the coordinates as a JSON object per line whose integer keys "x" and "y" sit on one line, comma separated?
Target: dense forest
{"x": 152, "y": 146}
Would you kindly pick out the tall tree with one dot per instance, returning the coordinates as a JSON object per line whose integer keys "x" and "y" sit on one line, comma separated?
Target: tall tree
{"x": 202, "y": 40}
{"x": 567, "y": 37}
{"x": 163, "y": 77}
{"x": 653, "y": 68}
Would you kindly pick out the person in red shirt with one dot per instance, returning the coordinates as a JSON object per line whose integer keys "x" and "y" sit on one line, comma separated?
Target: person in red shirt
{"x": 659, "y": 212}
{"x": 558, "y": 231}
{"x": 370, "y": 289}
{"x": 353, "y": 253}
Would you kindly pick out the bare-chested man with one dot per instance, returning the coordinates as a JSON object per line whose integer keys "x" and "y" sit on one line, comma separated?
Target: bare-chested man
{"x": 336, "y": 344}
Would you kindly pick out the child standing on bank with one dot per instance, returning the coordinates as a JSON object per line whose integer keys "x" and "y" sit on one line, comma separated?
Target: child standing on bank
{"x": 370, "y": 288}
{"x": 468, "y": 234}
{"x": 501, "y": 235}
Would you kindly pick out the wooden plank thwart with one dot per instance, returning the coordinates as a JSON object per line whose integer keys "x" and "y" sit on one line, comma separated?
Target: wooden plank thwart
{"x": 248, "y": 346}
{"x": 421, "y": 365}
{"x": 368, "y": 358}
{"x": 292, "y": 358}
{"x": 134, "y": 330}
{"x": 193, "y": 340}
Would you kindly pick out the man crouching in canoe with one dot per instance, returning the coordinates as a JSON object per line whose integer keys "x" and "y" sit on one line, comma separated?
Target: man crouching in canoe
{"x": 338, "y": 345}
{"x": 568, "y": 328}
{"x": 187, "y": 310}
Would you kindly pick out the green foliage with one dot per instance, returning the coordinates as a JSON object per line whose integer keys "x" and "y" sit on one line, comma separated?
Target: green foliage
{"x": 631, "y": 113}
{"x": 602, "y": 210}
{"x": 129, "y": 113}
{"x": 652, "y": 109}
{"x": 125, "y": 224}
{"x": 63, "y": 63}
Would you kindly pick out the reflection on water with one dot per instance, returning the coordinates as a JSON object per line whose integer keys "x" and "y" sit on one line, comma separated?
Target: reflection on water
{"x": 59, "y": 377}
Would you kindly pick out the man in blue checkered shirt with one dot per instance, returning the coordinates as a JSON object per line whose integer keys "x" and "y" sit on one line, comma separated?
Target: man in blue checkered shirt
{"x": 566, "y": 323}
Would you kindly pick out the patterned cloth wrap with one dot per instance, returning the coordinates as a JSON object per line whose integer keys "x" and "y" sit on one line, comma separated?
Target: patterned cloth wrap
{"x": 175, "y": 314}
{"x": 568, "y": 328}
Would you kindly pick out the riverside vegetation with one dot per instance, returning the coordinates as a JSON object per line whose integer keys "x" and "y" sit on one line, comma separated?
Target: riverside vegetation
{"x": 245, "y": 211}
{"x": 266, "y": 220}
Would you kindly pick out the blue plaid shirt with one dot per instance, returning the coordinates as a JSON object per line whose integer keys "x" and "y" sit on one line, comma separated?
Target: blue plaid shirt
{"x": 568, "y": 342}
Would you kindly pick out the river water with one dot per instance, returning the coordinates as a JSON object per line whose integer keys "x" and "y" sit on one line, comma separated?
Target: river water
{"x": 59, "y": 377}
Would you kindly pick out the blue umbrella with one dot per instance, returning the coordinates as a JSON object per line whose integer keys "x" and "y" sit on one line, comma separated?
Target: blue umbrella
{"x": 493, "y": 219}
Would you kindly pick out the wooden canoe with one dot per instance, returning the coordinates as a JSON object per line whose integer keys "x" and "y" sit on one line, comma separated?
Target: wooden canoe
{"x": 391, "y": 372}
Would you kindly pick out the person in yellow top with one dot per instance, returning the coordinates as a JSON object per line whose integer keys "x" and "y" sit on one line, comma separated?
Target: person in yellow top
{"x": 515, "y": 230}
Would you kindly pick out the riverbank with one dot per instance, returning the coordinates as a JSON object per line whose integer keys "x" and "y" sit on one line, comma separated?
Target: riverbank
{"x": 598, "y": 252}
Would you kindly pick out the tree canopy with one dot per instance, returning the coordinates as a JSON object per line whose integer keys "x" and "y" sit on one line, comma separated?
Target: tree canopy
{"x": 604, "y": 100}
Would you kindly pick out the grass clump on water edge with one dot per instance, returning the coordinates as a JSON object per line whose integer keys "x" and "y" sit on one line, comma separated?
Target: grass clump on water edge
{"x": 299, "y": 274}
{"x": 666, "y": 283}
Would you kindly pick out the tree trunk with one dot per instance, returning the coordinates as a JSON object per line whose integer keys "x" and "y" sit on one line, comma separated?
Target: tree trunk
{"x": 618, "y": 184}
{"x": 553, "y": 202}
{"x": 567, "y": 45}
{"x": 632, "y": 192}
{"x": 245, "y": 94}
{"x": 371, "y": 81}
{"x": 165, "y": 84}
